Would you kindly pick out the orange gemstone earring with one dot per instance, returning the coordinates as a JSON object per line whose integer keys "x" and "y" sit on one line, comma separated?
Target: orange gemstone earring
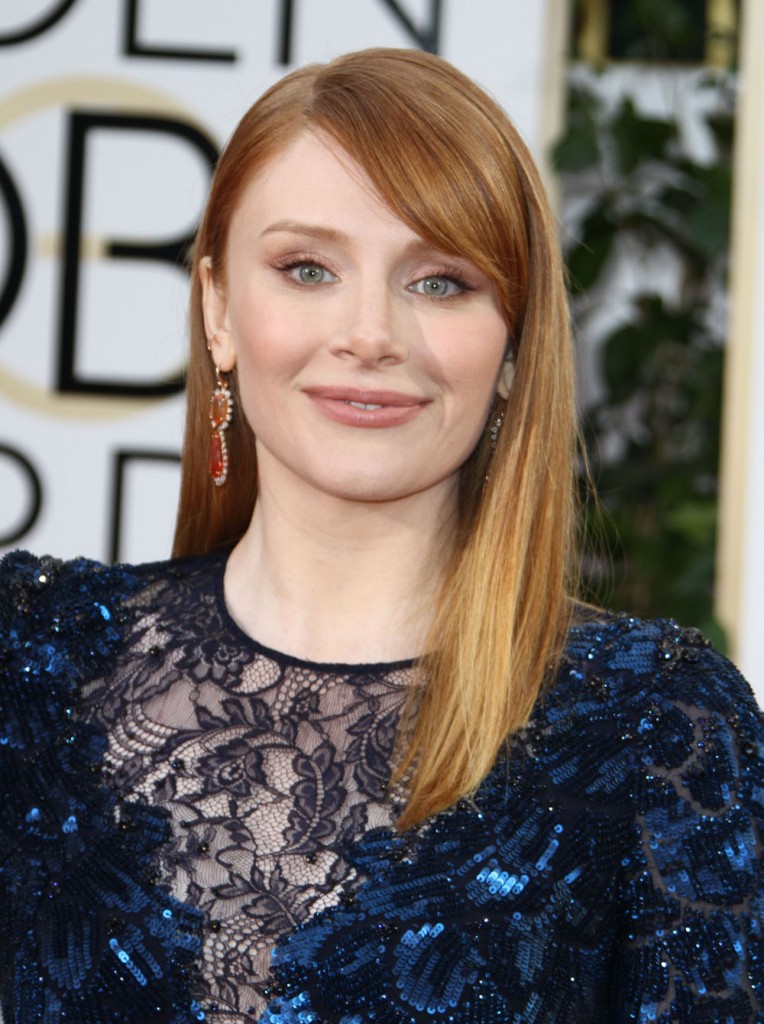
{"x": 221, "y": 411}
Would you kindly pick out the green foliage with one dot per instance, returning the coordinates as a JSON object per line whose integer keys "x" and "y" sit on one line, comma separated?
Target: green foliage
{"x": 658, "y": 29}
{"x": 653, "y": 431}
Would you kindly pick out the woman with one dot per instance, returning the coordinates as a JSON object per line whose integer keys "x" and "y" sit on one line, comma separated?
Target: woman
{"x": 355, "y": 755}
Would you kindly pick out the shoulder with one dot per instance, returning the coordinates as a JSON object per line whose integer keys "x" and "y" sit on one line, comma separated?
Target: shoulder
{"x": 47, "y": 603}
{"x": 638, "y": 664}
{"x": 646, "y": 711}
{"x": 26, "y": 579}
{"x": 90, "y": 592}
{"x": 62, "y": 622}
{"x": 66, "y": 619}
{"x": 629, "y": 662}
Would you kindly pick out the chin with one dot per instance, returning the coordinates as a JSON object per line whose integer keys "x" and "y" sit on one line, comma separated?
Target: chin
{"x": 376, "y": 489}
{"x": 372, "y": 492}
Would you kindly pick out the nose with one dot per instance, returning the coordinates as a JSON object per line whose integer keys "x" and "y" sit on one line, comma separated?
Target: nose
{"x": 372, "y": 330}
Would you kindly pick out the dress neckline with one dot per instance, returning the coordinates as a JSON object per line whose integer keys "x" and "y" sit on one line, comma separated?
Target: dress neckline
{"x": 281, "y": 657}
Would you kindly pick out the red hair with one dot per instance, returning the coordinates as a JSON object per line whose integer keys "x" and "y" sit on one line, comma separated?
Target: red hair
{"x": 449, "y": 163}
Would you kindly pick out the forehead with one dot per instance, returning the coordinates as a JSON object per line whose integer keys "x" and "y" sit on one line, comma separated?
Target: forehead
{"x": 313, "y": 179}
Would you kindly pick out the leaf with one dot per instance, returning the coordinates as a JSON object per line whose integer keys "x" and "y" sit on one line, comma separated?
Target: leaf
{"x": 586, "y": 258}
{"x": 722, "y": 126}
{"x": 579, "y": 148}
{"x": 693, "y": 520}
{"x": 707, "y": 225}
{"x": 639, "y": 138}
{"x": 624, "y": 355}
{"x": 676, "y": 198}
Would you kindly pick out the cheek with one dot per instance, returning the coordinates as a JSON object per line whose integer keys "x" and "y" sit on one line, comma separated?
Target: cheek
{"x": 471, "y": 365}
{"x": 266, "y": 339}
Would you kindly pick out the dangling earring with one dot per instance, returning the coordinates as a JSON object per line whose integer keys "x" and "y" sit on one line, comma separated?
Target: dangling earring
{"x": 503, "y": 387}
{"x": 496, "y": 430}
{"x": 221, "y": 411}
{"x": 493, "y": 436}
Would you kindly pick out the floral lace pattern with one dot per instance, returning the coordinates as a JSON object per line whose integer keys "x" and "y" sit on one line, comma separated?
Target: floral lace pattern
{"x": 270, "y": 768}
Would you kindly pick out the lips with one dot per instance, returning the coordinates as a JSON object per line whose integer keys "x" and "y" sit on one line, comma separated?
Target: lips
{"x": 361, "y": 407}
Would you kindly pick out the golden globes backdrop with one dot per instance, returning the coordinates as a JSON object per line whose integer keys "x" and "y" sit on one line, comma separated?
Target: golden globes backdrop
{"x": 112, "y": 113}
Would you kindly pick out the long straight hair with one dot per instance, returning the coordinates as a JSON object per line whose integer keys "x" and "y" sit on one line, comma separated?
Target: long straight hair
{"x": 448, "y": 162}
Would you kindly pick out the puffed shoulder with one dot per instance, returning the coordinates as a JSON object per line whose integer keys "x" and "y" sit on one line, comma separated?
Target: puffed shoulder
{"x": 44, "y": 601}
{"x": 650, "y": 701}
{"x": 640, "y": 654}
{"x": 656, "y": 677}
{"x": 35, "y": 591}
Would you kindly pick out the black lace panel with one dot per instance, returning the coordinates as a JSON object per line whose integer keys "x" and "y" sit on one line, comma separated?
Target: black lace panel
{"x": 269, "y": 767}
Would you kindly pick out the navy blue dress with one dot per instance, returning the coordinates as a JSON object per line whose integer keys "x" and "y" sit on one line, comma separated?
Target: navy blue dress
{"x": 197, "y": 828}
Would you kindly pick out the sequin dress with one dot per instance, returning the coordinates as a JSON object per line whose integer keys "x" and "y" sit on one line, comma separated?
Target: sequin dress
{"x": 198, "y": 828}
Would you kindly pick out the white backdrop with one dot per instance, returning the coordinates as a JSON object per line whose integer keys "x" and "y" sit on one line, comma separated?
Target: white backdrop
{"x": 111, "y": 113}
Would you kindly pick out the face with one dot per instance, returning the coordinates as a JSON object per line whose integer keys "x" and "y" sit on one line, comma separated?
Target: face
{"x": 367, "y": 361}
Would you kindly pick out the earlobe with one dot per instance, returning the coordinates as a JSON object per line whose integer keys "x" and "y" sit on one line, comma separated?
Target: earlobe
{"x": 506, "y": 376}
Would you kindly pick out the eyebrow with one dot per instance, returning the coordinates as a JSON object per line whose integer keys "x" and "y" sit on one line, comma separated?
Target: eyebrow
{"x": 324, "y": 233}
{"x": 296, "y": 227}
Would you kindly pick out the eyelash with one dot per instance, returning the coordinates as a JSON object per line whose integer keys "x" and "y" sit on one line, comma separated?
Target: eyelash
{"x": 292, "y": 262}
{"x": 449, "y": 273}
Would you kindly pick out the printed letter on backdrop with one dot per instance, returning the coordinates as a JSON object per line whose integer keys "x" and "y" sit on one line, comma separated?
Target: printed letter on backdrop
{"x": 17, "y": 243}
{"x": 39, "y": 27}
{"x": 172, "y": 251}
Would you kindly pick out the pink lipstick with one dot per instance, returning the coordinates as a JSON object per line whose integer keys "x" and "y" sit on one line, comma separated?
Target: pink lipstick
{"x": 362, "y": 407}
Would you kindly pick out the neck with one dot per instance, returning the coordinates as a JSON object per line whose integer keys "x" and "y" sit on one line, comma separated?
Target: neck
{"x": 331, "y": 580}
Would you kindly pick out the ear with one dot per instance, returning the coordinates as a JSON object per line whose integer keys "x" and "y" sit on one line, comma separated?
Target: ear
{"x": 506, "y": 376}
{"x": 216, "y": 322}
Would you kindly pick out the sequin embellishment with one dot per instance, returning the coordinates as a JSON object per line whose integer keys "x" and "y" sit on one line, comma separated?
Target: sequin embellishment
{"x": 608, "y": 869}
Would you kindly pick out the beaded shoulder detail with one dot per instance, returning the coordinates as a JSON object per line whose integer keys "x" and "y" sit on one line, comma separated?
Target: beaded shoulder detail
{"x": 92, "y": 936}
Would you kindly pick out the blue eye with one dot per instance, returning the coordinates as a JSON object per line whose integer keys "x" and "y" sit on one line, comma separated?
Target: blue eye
{"x": 310, "y": 273}
{"x": 437, "y": 286}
